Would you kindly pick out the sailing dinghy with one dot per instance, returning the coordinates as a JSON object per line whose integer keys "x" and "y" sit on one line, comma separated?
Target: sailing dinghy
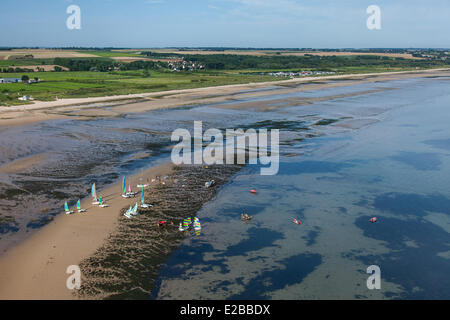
{"x": 134, "y": 211}
{"x": 124, "y": 188}
{"x": 130, "y": 192}
{"x": 94, "y": 195}
{"x": 66, "y": 208}
{"x": 79, "y": 207}
{"x": 101, "y": 203}
{"x": 197, "y": 226}
{"x": 142, "y": 185}
{"x": 143, "y": 204}
{"x": 128, "y": 213}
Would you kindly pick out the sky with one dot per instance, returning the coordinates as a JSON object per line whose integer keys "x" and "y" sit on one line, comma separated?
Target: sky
{"x": 226, "y": 23}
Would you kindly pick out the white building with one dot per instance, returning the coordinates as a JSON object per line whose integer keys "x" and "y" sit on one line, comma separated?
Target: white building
{"x": 10, "y": 80}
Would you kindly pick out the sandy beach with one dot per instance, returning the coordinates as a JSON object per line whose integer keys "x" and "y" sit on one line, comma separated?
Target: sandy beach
{"x": 36, "y": 269}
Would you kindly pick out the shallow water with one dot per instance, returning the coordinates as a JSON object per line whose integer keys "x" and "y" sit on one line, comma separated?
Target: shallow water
{"x": 396, "y": 169}
{"x": 343, "y": 161}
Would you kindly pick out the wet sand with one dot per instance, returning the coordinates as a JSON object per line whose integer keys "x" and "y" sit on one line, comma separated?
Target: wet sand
{"x": 21, "y": 165}
{"x": 118, "y": 105}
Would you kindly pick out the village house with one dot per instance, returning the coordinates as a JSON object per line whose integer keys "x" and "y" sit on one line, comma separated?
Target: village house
{"x": 10, "y": 80}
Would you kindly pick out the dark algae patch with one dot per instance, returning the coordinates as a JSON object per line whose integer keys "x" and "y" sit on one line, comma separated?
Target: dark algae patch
{"x": 127, "y": 265}
{"x": 420, "y": 161}
{"x": 418, "y": 268}
{"x": 412, "y": 204}
{"x": 259, "y": 238}
{"x": 8, "y": 224}
{"x": 325, "y": 122}
{"x": 288, "y": 274}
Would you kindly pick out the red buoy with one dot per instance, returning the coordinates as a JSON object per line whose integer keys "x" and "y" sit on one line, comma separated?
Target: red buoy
{"x": 374, "y": 219}
{"x": 253, "y": 191}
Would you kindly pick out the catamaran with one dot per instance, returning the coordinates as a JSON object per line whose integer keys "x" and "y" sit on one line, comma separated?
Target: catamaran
{"x": 130, "y": 192}
{"x": 94, "y": 194}
{"x": 181, "y": 227}
{"x": 124, "y": 188}
{"x": 134, "y": 212}
{"x": 128, "y": 212}
{"x": 197, "y": 226}
{"x": 143, "y": 204}
{"x": 79, "y": 207}
{"x": 101, "y": 203}
{"x": 66, "y": 208}
{"x": 142, "y": 185}
{"x": 185, "y": 225}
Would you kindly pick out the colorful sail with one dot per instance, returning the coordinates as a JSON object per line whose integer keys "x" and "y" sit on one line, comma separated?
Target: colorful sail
{"x": 185, "y": 223}
{"x": 197, "y": 225}
{"x": 189, "y": 220}
{"x": 134, "y": 212}
{"x": 66, "y": 207}
{"x": 129, "y": 188}
{"x": 94, "y": 192}
{"x": 101, "y": 200}
{"x": 124, "y": 185}
{"x": 142, "y": 200}
{"x": 79, "y": 204}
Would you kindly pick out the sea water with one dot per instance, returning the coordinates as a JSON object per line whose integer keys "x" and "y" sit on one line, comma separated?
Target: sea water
{"x": 396, "y": 168}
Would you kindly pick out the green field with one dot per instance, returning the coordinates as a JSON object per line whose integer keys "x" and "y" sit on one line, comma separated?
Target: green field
{"x": 111, "y": 54}
{"x": 93, "y": 77}
{"x": 94, "y": 84}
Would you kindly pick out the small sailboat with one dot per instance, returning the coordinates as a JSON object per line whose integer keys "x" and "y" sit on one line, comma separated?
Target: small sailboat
{"x": 134, "y": 212}
{"x": 66, "y": 208}
{"x": 79, "y": 207}
{"x": 143, "y": 204}
{"x": 94, "y": 195}
{"x": 142, "y": 185}
{"x": 374, "y": 219}
{"x": 125, "y": 194}
{"x": 128, "y": 212}
{"x": 130, "y": 192}
{"x": 298, "y": 222}
{"x": 101, "y": 203}
{"x": 182, "y": 228}
{"x": 210, "y": 183}
{"x": 197, "y": 226}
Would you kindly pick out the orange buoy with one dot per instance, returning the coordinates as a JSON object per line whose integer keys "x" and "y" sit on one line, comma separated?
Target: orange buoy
{"x": 374, "y": 219}
{"x": 253, "y": 191}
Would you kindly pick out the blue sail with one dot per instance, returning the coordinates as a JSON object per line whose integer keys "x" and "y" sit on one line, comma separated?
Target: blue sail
{"x": 93, "y": 192}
